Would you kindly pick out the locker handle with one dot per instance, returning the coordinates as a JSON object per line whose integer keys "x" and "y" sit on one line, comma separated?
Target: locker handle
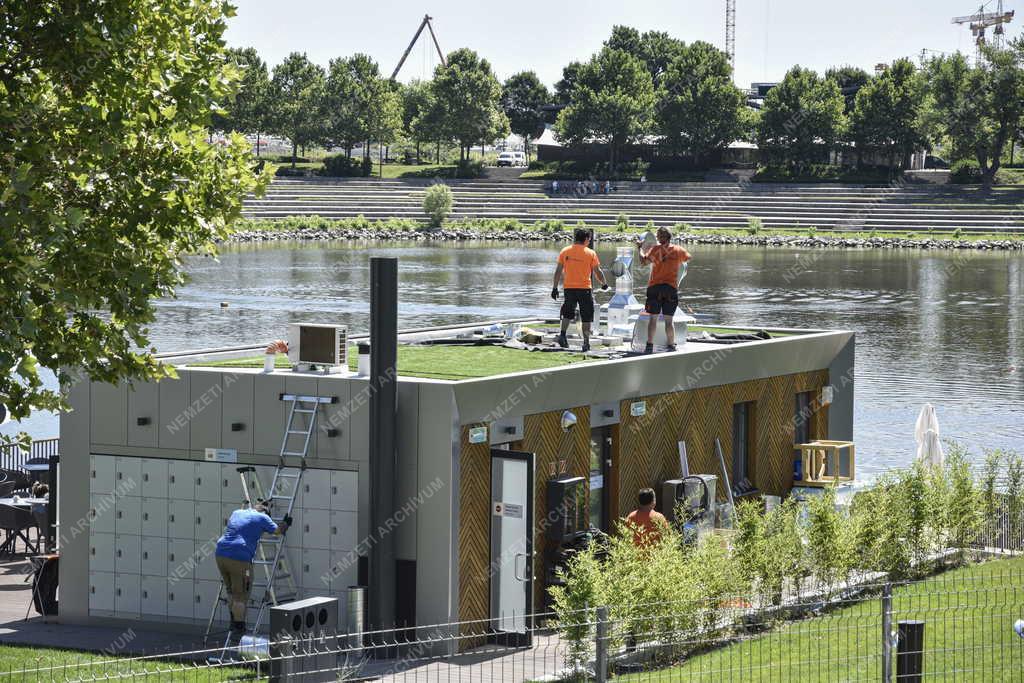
{"x": 120, "y": 514}
{"x": 118, "y": 592}
{"x": 198, "y": 600}
{"x": 145, "y": 594}
{"x": 119, "y": 552}
{"x": 145, "y": 516}
{"x": 199, "y": 481}
{"x": 120, "y": 475}
{"x": 334, "y": 531}
{"x": 145, "y": 476}
{"x": 170, "y": 596}
{"x": 92, "y": 551}
{"x": 334, "y": 490}
{"x": 92, "y": 589}
{"x": 305, "y": 527}
{"x": 145, "y": 554}
{"x": 171, "y": 478}
{"x": 199, "y": 520}
{"x": 171, "y": 557}
{"x": 170, "y": 518}
{"x": 92, "y": 473}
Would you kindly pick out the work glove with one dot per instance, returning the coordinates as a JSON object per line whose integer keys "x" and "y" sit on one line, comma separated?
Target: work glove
{"x": 604, "y": 286}
{"x": 287, "y": 520}
{"x": 554, "y": 293}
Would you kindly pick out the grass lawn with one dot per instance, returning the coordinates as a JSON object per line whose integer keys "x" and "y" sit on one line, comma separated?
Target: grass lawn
{"x": 968, "y": 615}
{"x": 445, "y": 362}
{"x": 15, "y": 659}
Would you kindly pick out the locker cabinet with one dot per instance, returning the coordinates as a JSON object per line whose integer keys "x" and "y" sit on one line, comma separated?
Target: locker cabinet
{"x": 344, "y": 570}
{"x": 269, "y": 414}
{"x": 101, "y": 552}
{"x": 344, "y": 490}
{"x": 101, "y": 474}
{"x": 173, "y": 431}
{"x": 181, "y": 480}
{"x": 153, "y": 596}
{"x": 204, "y": 598}
{"x": 312, "y": 568}
{"x": 154, "y": 478}
{"x": 344, "y": 528}
{"x": 143, "y": 414}
{"x": 128, "y": 516}
{"x": 208, "y": 481}
{"x": 154, "y": 556}
{"x": 101, "y": 513}
{"x": 154, "y": 517}
{"x": 128, "y": 476}
{"x": 206, "y": 565}
{"x": 206, "y": 397}
{"x": 128, "y": 554}
{"x": 127, "y": 595}
{"x": 316, "y": 490}
{"x": 181, "y": 521}
{"x": 335, "y": 447}
{"x": 231, "y": 484}
{"x": 180, "y": 597}
{"x": 315, "y": 527}
{"x": 209, "y": 522}
{"x": 101, "y": 592}
{"x": 181, "y": 560}
{"x": 237, "y": 423}
{"x": 109, "y": 414}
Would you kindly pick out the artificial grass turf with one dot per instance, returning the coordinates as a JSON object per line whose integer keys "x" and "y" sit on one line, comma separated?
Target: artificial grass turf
{"x": 968, "y": 614}
{"x": 56, "y": 664}
{"x": 444, "y": 362}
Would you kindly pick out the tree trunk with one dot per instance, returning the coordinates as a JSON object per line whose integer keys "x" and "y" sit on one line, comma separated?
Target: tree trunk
{"x": 257, "y": 144}
{"x": 366, "y": 150}
{"x": 295, "y": 151}
{"x": 417, "y": 151}
{"x": 438, "y": 158}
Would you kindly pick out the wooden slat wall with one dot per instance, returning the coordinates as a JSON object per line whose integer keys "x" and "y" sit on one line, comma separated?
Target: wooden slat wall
{"x": 474, "y": 531}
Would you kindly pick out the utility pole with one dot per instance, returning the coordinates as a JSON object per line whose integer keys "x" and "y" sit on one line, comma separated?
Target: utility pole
{"x": 730, "y": 33}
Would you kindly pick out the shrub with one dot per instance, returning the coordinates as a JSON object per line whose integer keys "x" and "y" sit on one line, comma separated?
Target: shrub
{"x": 965, "y": 502}
{"x": 438, "y": 202}
{"x": 549, "y": 226}
{"x": 965, "y": 171}
{"x": 342, "y": 166}
{"x": 574, "y": 602}
{"x": 828, "y": 557}
{"x": 812, "y": 231}
{"x": 470, "y": 168}
{"x": 621, "y": 223}
{"x": 754, "y": 225}
{"x": 958, "y": 233}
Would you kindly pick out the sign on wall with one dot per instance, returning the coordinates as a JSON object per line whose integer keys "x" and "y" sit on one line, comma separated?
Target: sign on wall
{"x": 478, "y": 434}
{"x": 638, "y": 408}
{"x": 221, "y": 455}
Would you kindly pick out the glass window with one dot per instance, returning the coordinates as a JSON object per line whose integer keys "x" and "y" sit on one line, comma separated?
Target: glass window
{"x": 802, "y": 418}
{"x": 598, "y": 443}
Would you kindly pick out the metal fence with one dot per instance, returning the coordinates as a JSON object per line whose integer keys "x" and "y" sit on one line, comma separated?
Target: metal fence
{"x": 956, "y": 626}
{"x": 13, "y": 457}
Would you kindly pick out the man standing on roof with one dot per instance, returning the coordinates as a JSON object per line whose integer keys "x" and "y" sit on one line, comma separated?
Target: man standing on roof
{"x": 577, "y": 263}
{"x": 236, "y": 549}
{"x": 663, "y": 287}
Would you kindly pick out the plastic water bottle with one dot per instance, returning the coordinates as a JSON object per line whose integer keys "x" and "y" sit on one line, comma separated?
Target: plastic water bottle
{"x": 253, "y": 647}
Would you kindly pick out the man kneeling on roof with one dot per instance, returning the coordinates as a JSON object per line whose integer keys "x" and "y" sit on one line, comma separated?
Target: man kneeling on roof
{"x": 578, "y": 263}
{"x": 663, "y": 287}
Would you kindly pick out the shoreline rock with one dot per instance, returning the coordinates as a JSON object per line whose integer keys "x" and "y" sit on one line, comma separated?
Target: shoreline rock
{"x": 514, "y": 236}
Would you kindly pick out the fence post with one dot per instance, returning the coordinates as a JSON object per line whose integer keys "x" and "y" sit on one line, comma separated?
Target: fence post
{"x": 910, "y": 652}
{"x": 601, "y": 646}
{"x": 887, "y": 633}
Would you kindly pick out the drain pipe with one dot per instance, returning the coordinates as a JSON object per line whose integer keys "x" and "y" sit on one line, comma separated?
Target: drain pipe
{"x": 383, "y": 425}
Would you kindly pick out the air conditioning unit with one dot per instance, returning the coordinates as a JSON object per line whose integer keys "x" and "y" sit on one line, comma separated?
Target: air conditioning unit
{"x": 318, "y": 347}
{"x": 304, "y": 640}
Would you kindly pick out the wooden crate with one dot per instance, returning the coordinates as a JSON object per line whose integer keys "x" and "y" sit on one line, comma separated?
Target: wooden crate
{"x": 822, "y": 462}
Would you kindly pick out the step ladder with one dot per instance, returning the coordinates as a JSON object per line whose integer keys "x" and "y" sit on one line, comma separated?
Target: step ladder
{"x": 280, "y": 503}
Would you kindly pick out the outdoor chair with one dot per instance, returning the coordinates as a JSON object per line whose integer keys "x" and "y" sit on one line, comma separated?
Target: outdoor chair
{"x": 16, "y": 522}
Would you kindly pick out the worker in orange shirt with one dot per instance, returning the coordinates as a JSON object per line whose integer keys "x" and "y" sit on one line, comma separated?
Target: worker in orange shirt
{"x": 663, "y": 287}
{"x": 577, "y": 264}
{"x": 645, "y": 523}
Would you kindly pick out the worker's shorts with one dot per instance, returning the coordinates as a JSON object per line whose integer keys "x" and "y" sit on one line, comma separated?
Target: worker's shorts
{"x": 663, "y": 299}
{"x": 584, "y": 298}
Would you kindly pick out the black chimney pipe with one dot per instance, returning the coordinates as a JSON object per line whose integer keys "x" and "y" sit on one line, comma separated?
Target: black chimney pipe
{"x": 383, "y": 425}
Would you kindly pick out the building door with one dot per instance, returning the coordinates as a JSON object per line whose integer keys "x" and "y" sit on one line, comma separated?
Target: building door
{"x": 600, "y": 477}
{"x": 511, "y": 545}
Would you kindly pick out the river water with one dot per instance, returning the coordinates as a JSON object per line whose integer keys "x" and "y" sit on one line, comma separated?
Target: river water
{"x": 941, "y": 327}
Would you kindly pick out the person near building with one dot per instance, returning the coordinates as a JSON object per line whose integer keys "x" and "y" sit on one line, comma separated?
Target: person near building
{"x": 577, "y": 265}
{"x": 665, "y": 259}
{"x": 645, "y": 522}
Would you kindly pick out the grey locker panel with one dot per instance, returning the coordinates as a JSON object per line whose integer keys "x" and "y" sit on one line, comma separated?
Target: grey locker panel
{"x": 312, "y": 569}
{"x": 101, "y": 513}
{"x": 334, "y": 416}
{"x": 238, "y": 411}
{"x": 209, "y": 522}
{"x": 153, "y": 596}
{"x": 154, "y": 518}
{"x": 315, "y": 527}
{"x": 180, "y": 598}
{"x": 101, "y": 592}
{"x": 181, "y": 560}
{"x": 206, "y": 564}
{"x": 205, "y": 597}
{"x": 154, "y": 478}
{"x": 208, "y": 482}
{"x": 181, "y": 520}
{"x": 143, "y": 414}
{"x": 316, "y": 490}
{"x": 128, "y": 553}
{"x": 101, "y": 474}
{"x": 128, "y": 476}
{"x": 127, "y": 595}
{"x": 173, "y": 429}
{"x": 269, "y": 414}
{"x": 359, "y": 422}
{"x": 344, "y": 570}
{"x": 109, "y": 414}
{"x": 231, "y": 485}
{"x": 344, "y": 490}
{"x": 306, "y": 386}
{"x": 206, "y": 396}
{"x": 344, "y": 531}
{"x": 101, "y": 552}
{"x": 128, "y": 516}
{"x": 181, "y": 480}
{"x": 154, "y": 557}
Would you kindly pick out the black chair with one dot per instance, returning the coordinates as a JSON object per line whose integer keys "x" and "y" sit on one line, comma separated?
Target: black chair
{"x": 41, "y": 515}
{"x": 15, "y": 477}
{"x": 16, "y": 522}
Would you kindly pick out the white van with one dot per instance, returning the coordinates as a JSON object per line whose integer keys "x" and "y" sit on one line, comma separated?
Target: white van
{"x": 512, "y": 159}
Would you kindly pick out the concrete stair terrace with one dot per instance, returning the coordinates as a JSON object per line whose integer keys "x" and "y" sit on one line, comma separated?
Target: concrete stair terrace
{"x": 826, "y": 207}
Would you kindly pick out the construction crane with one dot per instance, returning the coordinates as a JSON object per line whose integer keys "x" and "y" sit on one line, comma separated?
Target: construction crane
{"x": 430, "y": 27}
{"x": 982, "y": 21}
{"x": 730, "y": 32}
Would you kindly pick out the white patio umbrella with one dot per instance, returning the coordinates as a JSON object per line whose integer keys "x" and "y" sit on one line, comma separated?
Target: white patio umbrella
{"x": 926, "y": 433}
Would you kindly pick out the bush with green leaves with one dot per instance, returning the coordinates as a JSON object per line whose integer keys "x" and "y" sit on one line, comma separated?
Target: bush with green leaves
{"x": 343, "y": 166}
{"x": 438, "y": 202}
{"x": 754, "y": 225}
{"x": 621, "y": 223}
{"x": 470, "y": 168}
{"x": 829, "y": 547}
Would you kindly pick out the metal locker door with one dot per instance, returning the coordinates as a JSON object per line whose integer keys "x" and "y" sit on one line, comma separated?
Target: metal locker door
{"x": 316, "y": 528}
{"x": 128, "y": 516}
{"x": 101, "y": 592}
{"x": 209, "y": 522}
{"x": 181, "y": 561}
{"x": 205, "y": 596}
{"x": 231, "y": 485}
{"x": 154, "y": 478}
{"x": 344, "y": 530}
{"x": 128, "y": 554}
{"x": 127, "y": 595}
{"x": 181, "y": 480}
{"x": 154, "y": 517}
{"x": 237, "y": 422}
{"x": 154, "y": 557}
{"x": 206, "y": 565}
{"x": 101, "y": 513}
{"x": 269, "y": 414}
{"x": 333, "y": 416}
{"x": 128, "y": 476}
{"x": 101, "y": 474}
{"x": 173, "y": 431}
{"x": 180, "y": 596}
{"x": 101, "y": 552}
{"x": 205, "y": 394}
{"x": 345, "y": 490}
{"x": 313, "y": 568}
{"x": 153, "y": 596}
{"x": 344, "y": 570}
{"x": 143, "y": 414}
{"x": 181, "y": 521}
{"x": 109, "y": 414}
{"x": 316, "y": 490}
{"x": 208, "y": 482}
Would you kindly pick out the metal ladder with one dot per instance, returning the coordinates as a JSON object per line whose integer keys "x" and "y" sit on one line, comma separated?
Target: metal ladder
{"x": 284, "y": 488}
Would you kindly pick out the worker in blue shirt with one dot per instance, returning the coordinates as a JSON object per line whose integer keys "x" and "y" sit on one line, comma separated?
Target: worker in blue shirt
{"x": 236, "y": 549}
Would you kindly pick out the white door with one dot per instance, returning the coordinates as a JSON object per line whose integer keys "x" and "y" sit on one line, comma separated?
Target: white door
{"x": 511, "y": 543}
{"x": 154, "y": 517}
{"x": 154, "y": 478}
{"x": 154, "y": 558}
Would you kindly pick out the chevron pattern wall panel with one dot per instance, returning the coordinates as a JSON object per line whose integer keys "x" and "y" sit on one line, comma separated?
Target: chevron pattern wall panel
{"x": 474, "y": 533}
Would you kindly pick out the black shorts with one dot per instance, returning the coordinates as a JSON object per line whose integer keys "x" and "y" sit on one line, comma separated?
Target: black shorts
{"x": 663, "y": 299}
{"x": 584, "y": 298}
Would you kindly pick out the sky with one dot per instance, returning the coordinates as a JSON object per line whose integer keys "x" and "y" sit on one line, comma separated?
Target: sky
{"x": 771, "y": 35}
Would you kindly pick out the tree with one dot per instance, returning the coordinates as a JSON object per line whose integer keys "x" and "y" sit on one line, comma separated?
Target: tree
{"x": 297, "y": 91}
{"x": 978, "y": 108}
{"x": 248, "y": 112}
{"x": 415, "y": 101}
{"x": 522, "y": 97}
{"x": 656, "y": 49}
{"x": 887, "y": 114}
{"x": 470, "y": 95}
{"x": 611, "y": 103}
{"x": 429, "y": 123}
{"x": 565, "y": 87}
{"x": 106, "y": 182}
{"x": 802, "y": 116}
{"x": 699, "y": 109}
{"x": 850, "y": 80}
